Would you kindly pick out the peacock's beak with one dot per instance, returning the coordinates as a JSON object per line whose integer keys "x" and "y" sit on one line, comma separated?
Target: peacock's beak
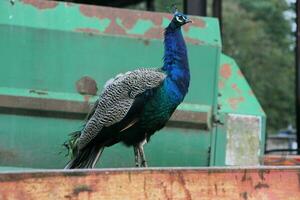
{"x": 189, "y": 21}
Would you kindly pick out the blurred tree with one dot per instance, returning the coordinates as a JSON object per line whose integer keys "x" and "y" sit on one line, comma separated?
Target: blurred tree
{"x": 258, "y": 36}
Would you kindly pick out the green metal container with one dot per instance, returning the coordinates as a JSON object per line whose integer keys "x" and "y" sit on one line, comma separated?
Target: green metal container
{"x": 54, "y": 56}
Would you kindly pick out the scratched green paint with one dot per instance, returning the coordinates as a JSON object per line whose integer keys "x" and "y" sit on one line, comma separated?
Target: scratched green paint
{"x": 62, "y": 19}
{"x": 69, "y": 18}
{"x": 249, "y": 105}
{"x": 139, "y": 28}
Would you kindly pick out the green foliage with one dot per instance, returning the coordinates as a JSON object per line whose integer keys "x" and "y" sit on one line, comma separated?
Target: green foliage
{"x": 160, "y": 5}
{"x": 257, "y": 35}
{"x": 166, "y": 5}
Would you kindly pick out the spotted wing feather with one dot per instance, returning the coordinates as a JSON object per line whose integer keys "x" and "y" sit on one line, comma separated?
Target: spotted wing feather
{"x": 116, "y": 99}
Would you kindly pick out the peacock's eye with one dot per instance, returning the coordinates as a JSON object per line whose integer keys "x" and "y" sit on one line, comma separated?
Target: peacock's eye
{"x": 179, "y": 18}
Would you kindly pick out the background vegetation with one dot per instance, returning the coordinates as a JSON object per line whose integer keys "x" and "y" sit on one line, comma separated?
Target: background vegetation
{"x": 258, "y": 35}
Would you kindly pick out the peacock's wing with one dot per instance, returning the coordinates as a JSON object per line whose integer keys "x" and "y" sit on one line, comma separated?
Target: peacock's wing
{"x": 119, "y": 95}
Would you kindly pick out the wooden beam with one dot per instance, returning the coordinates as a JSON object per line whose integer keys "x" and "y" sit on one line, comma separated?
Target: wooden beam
{"x": 169, "y": 183}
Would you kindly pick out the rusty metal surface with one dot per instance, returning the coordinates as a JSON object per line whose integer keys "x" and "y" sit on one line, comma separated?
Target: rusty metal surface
{"x": 121, "y": 22}
{"x": 272, "y": 183}
{"x": 236, "y": 96}
{"x": 285, "y": 160}
{"x": 77, "y": 109}
{"x": 87, "y": 85}
{"x": 41, "y": 4}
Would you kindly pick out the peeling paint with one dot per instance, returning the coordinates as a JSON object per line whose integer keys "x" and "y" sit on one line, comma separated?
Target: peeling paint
{"x": 196, "y": 22}
{"x": 193, "y": 41}
{"x": 235, "y": 101}
{"x": 235, "y": 88}
{"x": 41, "y": 4}
{"x": 221, "y": 84}
{"x": 237, "y": 94}
{"x": 87, "y": 85}
{"x": 135, "y": 23}
{"x": 225, "y": 71}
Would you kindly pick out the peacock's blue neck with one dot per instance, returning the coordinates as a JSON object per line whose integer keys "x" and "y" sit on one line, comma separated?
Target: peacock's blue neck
{"x": 176, "y": 63}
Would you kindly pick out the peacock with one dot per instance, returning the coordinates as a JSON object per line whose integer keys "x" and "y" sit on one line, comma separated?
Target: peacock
{"x": 136, "y": 104}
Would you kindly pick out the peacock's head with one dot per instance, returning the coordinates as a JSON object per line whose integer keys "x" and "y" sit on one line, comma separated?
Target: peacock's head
{"x": 179, "y": 18}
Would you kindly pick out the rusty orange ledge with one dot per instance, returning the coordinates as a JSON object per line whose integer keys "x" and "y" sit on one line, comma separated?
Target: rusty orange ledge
{"x": 232, "y": 183}
{"x": 282, "y": 160}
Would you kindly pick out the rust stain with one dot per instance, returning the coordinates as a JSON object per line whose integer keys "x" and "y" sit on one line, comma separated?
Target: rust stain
{"x": 261, "y": 185}
{"x": 41, "y": 4}
{"x": 145, "y": 188}
{"x": 225, "y": 71}
{"x": 235, "y": 88}
{"x": 244, "y": 195}
{"x": 234, "y": 102}
{"x": 244, "y": 178}
{"x": 196, "y": 22}
{"x": 86, "y": 98}
{"x": 156, "y": 33}
{"x": 286, "y": 160}
{"x": 153, "y": 184}
{"x": 114, "y": 28}
{"x": 81, "y": 188}
{"x": 216, "y": 189}
{"x": 87, "y": 85}
{"x": 261, "y": 174}
{"x": 221, "y": 84}
{"x": 193, "y": 41}
{"x": 87, "y": 30}
{"x": 129, "y": 19}
{"x": 183, "y": 184}
{"x": 299, "y": 179}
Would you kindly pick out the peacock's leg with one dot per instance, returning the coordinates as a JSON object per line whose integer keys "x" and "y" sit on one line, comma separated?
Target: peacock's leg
{"x": 137, "y": 156}
{"x": 142, "y": 154}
